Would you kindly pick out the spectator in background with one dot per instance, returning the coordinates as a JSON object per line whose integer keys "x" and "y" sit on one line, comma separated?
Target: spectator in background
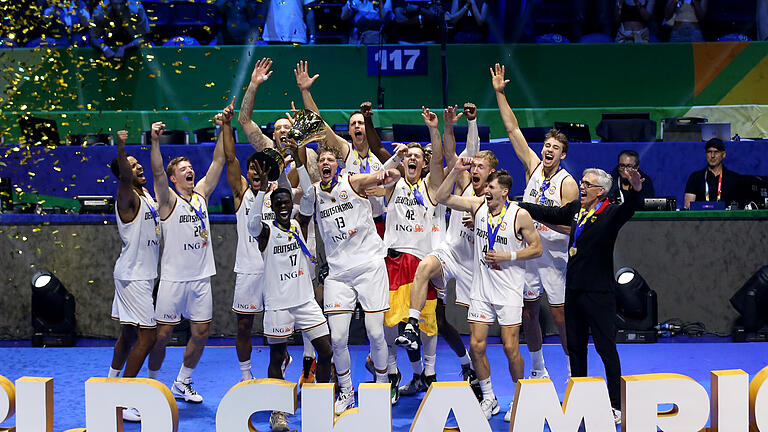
{"x": 117, "y": 26}
{"x": 368, "y": 19}
{"x": 418, "y": 21}
{"x": 633, "y": 17}
{"x": 762, "y": 19}
{"x": 243, "y": 21}
{"x": 469, "y": 21}
{"x": 629, "y": 160}
{"x": 290, "y": 22}
{"x": 68, "y": 22}
{"x": 685, "y": 17}
{"x": 715, "y": 182}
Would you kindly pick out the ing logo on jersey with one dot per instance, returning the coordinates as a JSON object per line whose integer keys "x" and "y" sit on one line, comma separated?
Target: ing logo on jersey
{"x": 435, "y": 228}
{"x": 343, "y": 195}
{"x": 332, "y": 305}
{"x": 418, "y": 228}
{"x": 351, "y": 232}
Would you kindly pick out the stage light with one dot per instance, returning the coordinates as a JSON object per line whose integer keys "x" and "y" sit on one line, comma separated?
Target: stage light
{"x": 636, "y": 307}
{"x": 53, "y": 312}
{"x": 751, "y": 301}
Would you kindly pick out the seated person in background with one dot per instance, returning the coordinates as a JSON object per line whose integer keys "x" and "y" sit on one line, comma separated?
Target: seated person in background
{"x": 289, "y": 22}
{"x": 715, "y": 182}
{"x": 469, "y": 21}
{"x": 417, "y": 21}
{"x": 243, "y": 21}
{"x": 633, "y": 17}
{"x": 628, "y": 160}
{"x": 685, "y": 17}
{"x": 68, "y": 22}
{"x": 117, "y": 26}
{"x": 367, "y": 18}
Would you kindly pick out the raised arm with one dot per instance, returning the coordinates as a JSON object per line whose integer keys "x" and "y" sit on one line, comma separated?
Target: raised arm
{"x": 256, "y": 227}
{"x": 261, "y": 72}
{"x": 304, "y": 81}
{"x": 436, "y": 175}
{"x": 456, "y": 202}
{"x": 237, "y": 183}
{"x": 361, "y": 182}
{"x": 128, "y": 202}
{"x": 473, "y": 135}
{"x": 526, "y": 155}
{"x": 207, "y": 184}
{"x": 374, "y": 140}
{"x": 165, "y": 199}
{"x": 450, "y": 117}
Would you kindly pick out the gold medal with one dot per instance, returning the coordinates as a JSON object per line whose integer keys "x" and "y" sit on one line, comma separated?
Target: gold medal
{"x": 192, "y": 209}
{"x": 204, "y": 234}
{"x": 333, "y": 199}
{"x": 572, "y": 251}
{"x": 158, "y": 230}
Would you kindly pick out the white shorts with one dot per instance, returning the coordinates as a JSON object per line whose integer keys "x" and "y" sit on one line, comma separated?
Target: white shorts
{"x": 308, "y": 317}
{"x": 133, "y": 303}
{"x": 547, "y": 272}
{"x": 249, "y": 293}
{"x": 487, "y": 313}
{"x": 367, "y": 283}
{"x": 190, "y": 299}
{"x": 454, "y": 269}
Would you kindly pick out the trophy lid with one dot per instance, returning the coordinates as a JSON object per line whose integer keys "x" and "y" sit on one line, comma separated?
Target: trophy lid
{"x": 272, "y": 160}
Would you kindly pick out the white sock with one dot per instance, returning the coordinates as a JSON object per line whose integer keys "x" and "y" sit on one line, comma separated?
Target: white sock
{"x": 113, "y": 373}
{"x": 537, "y": 359}
{"x": 381, "y": 377}
{"x": 245, "y": 369}
{"x": 417, "y": 367}
{"x": 392, "y": 361}
{"x": 153, "y": 373}
{"x": 487, "y": 388}
{"x": 414, "y": 313}
{"x": 184, "y": 373}
{"x": 429, "y": 364}
{"x": 465, "y": 360}
{"x": 345, "y": 382}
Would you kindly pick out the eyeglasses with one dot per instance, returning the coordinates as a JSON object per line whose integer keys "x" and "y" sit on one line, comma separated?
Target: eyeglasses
{"x": 714, "y": 152}
{"x": 588, "y": 185}
{"x": 627, "y": 166}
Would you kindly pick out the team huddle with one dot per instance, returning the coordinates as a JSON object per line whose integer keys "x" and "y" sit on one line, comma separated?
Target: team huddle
{"x": 392, "y": 234}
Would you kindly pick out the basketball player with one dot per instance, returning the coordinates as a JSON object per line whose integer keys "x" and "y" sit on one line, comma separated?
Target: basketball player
{"x": 135, "y": 268}
{"x": 504, "y": 236}
{"x": 355, "y": 255}
{"x": 550, "y": 185}
{"x": 187, "y": 263}
{"x": 289, "y": 298}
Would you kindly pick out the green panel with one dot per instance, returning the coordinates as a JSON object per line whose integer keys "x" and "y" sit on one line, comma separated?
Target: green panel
{"x": 732, "y": 74}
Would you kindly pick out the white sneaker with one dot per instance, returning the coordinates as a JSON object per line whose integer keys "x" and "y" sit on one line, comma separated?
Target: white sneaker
{"x": 345, "y": 401}
{"x": 490, "y": 407}
{"x": 278, "y": 422}
{"x": 538, "y": 374}
{"x": 184, "y": 390}
{"x": 286, "y": 362}
{"x": 508, "y": 415}
{"x": 131, "y": 415}
{"x": 616, "y": 415}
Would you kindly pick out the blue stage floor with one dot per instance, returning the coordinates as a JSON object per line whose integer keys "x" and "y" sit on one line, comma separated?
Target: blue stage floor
{"x": 218, "y": 371}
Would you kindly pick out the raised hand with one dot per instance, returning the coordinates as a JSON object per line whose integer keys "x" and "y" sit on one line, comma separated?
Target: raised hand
{"x": 366, "y": 108}
{"x": 463, "y": 163}
{"x": 401, "y": 150}
{"x": 261, "y": 71}
{"x": 122, "y": 137}
{"x": 449, "y": 115}
{"x": 389, "y": 176}
{"x": 263, "y": 175}
{"x": 497, "y": 78}
{"x": 157, "y": 130}
{"x": 470, "y": 111}
{"x": 303, "y": 79}
{"x": 228, "y": 113}
{"x": 430, "y": 118}
{"x": 291, "y": 116}
{"x": 635, "y": 179}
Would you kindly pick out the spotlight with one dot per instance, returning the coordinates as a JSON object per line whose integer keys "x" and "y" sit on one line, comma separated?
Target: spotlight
{"x": 751, "y": 301}
{"x": 53, "y": 312}
{"x": 636, "y": 308}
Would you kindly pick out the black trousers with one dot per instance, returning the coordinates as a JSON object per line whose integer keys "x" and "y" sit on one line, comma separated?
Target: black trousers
{"x": 595, "y": 311}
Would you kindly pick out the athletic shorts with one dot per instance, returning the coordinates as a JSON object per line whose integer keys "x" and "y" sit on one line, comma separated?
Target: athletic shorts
{"x": 367, "y": 283}
{"x": 401, "y": 271}
{"x": 132, "y": 304}
{"x": 487, "y": 313}
{"x": 547, "y": 272}
{"x": 454, "y": 269}
{"x": 249, "y": 293}
{"x": 190, "y": 299}
{"x": 308, "y": 317}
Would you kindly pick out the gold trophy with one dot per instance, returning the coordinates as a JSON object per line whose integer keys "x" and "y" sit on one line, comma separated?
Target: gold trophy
{"x": 307, "y": 127}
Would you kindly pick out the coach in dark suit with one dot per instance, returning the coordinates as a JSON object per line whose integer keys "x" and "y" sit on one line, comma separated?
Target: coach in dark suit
{"x": 590, "y": 302}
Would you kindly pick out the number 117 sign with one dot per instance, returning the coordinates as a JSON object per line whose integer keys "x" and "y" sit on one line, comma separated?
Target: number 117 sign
{"x": 397, "y": 60}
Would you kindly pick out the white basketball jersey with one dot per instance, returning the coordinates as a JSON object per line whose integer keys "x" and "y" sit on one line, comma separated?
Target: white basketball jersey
{"x": 286, "y": 270}
{"x": 412, "y": 219}
{"x": 141, "y": 243}
{"x": 187, "y": 256}
{"x": 553, "y": 197}
{"x": 248, "y": 256}
{"x": 459, "y": 238}
{"x": 346, "y": 226}
{"x": 500, "y": 283}
{"x": 360, "y": 164}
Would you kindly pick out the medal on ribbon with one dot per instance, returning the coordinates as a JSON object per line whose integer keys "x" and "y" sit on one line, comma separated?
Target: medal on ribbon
{"x": 153, "y": 212}
{"x": 581, "y": 222}
{"x": 293, "y": 232}
{"x": 203, "y": 231}
{"x": 493, "y": 228}
{"x": 545, "y": 184}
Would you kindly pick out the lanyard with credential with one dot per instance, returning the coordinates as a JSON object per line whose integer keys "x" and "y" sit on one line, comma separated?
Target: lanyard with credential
{"x": 294, "y": 233}
{"x": 364, "y": 169}
{"x": 493, "y": 228}
{"x": 581, "y": 222}
{"x": 153, "y": 212}
{"x": 719, "y": 186}
{"x": 545, "y": 183}
{"x": 199, "y": 213}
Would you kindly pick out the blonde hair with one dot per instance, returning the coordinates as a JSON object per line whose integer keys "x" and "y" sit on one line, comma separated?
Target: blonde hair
{"x": 172, "y": 164}
{"x": 488, "y": 155}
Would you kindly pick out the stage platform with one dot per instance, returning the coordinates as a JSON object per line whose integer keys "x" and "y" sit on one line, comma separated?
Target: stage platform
{"x": 218, "y": 372}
